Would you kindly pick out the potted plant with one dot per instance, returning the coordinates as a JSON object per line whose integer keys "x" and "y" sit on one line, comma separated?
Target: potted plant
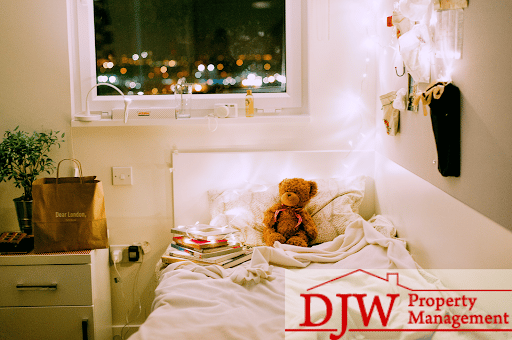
{"x": 23, "y": 157}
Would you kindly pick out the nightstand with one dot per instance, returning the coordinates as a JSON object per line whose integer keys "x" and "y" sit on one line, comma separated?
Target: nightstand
{"x": 56, "y": 296}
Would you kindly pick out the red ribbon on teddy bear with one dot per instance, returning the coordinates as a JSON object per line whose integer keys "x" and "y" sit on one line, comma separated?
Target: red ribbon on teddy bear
{"x": 297, "y": 212}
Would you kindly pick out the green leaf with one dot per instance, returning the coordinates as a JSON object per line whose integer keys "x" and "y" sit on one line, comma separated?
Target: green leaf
{"x": 23, "y": 157}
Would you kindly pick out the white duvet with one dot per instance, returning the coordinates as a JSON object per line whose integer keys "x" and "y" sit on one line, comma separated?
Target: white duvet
{"x": 248, "y": 301}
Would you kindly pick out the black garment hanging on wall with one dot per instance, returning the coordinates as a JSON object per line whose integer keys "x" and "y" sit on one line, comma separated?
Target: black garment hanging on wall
{"x": 445, "y": 116}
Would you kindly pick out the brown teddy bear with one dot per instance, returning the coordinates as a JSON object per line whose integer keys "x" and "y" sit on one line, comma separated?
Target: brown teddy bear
{"x": 288, "y": 221}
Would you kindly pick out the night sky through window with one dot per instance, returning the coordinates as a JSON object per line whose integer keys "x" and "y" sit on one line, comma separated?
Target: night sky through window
{"x": 223, "y": 46}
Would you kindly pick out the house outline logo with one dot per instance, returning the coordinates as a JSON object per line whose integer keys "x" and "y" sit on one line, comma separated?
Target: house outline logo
{"x": 397, "y": 281}
{"x": 393, "y": 278}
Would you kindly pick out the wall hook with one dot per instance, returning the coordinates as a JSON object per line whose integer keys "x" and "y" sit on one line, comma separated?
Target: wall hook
{"x": 400, "y": 75}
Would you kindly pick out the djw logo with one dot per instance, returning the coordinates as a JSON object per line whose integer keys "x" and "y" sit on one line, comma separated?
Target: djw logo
{"x": 365, "y": 314}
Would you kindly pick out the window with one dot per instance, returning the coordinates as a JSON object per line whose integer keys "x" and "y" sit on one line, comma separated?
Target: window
{"x": 222, "y": 47}
{"x": 145, "y": 47}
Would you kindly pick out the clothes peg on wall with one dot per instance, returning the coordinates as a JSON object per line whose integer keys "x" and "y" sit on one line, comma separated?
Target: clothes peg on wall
{"x": 434, "y": 91}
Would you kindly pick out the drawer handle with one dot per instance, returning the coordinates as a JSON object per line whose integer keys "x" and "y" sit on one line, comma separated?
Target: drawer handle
{"x": 36, "y": 287}
{"x": 85, "y": 324}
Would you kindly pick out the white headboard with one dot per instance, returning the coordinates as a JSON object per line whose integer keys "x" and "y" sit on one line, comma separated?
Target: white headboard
{"x": 196, "y": 173}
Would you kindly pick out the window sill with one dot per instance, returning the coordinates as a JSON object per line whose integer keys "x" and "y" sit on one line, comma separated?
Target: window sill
{"x": 191, "y": 121}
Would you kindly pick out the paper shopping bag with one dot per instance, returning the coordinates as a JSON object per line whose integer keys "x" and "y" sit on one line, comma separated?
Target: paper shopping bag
{"x": 68, "y": 213}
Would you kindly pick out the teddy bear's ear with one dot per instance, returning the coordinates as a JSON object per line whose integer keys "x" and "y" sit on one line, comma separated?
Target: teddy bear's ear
{"x": 313, "y": 189}
{"x": 282, "y": 182}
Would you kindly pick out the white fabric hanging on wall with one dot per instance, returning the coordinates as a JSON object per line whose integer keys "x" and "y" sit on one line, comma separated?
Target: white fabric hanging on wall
{"x": 400, "y": 100}
{"x": 415, "y": 10}
{"x": 401, "y": 23}
{"x": 415, "y": 48}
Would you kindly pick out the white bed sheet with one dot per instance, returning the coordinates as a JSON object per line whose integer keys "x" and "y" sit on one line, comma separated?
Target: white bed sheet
{"x": 248, "y": 302}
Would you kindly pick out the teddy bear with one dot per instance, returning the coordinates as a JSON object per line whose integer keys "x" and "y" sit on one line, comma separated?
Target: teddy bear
{"x": 288, "y": 221}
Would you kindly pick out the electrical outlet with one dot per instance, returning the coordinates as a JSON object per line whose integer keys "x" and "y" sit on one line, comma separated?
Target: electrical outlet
{"x": 121, "y": 254}
{"x": 122, "y": 175}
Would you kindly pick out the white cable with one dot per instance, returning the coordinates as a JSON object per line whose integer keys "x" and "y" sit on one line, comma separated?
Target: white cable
{"x": 139, "y": 304}
{"x": 86, "y": 116}
{"x": 120, "y": 281}
{"x": 72, "y": 143}
{"x": 209, "y": 117}
{"x": 117, "y": 256}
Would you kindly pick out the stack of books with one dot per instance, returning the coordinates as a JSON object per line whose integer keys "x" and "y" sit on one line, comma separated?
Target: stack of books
{"x": 206, "y": 245}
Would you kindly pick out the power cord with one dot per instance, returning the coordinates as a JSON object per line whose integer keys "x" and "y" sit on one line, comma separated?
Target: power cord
{"x": 139, "y": 304}
{"x": 213, "y": 117}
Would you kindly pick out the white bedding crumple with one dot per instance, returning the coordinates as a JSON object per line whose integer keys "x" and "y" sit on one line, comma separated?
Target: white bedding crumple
{"x": 253, "y": 300}
{"x": 241, "y": 274}
{"x": 358, "y": 234}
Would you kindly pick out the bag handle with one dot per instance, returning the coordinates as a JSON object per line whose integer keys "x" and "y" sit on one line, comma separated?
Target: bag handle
{"x": 76, "y": 162}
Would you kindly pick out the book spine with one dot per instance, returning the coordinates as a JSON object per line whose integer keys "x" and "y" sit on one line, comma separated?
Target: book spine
{"x": 211, "y": 260}
{"x": 181, "y": 233}
{"x": 237, "y": 260}
{"x": 173, "y": 259}
{"x": 216, "y": 249}
{"x": 187, "y": 250}
{"x": 222, "y": 252}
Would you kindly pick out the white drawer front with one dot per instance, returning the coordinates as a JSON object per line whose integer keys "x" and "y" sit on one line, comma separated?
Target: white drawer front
{"x": 47, "y": 323}
{"x": 45, "y": 285}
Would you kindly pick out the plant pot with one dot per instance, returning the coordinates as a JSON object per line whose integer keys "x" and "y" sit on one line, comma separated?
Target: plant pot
{"x": 24, "y": 213}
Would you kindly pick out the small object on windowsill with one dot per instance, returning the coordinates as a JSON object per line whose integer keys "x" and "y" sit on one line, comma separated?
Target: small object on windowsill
{"x": 268, "y": 112}
{"x": 249, "y": 104}
{"x": 106, "y": 115}
{"x": 182, "y": 115}
{"x": 87, "y": 118}
{"x": 183, "y": 95}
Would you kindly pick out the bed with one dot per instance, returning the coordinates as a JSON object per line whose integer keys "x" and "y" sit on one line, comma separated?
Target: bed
{"x": 358, "y": 281}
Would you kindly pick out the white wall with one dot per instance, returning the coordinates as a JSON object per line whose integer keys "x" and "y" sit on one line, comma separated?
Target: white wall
{"x": 34, "y": 87}
{"x": 34, "y": 93}
{"x": 441, "y": 232}
{"x": 483, "y": 76}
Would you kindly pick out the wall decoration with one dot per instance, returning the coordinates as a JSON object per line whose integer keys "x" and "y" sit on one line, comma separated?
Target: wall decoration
{"x": 449, "y": 32}
{"x": 391, "y": 114}
{"x": 450, "y": 4}
{"x": 415, "y": 48}
{"x": 412, "y": 90}
{"x": 425, "y": 29}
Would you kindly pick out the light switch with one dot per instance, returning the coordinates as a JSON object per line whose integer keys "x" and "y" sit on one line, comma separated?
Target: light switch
{"x": 122, "y": 175}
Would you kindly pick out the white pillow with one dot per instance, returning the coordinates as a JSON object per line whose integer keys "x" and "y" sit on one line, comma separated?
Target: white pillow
{"x": 243, "y": 210}
{"x": 334, "y": 206}
{"x": 332, "y": 220}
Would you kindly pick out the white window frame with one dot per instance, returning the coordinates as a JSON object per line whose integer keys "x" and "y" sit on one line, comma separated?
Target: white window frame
{"x": 83, "y": 70}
